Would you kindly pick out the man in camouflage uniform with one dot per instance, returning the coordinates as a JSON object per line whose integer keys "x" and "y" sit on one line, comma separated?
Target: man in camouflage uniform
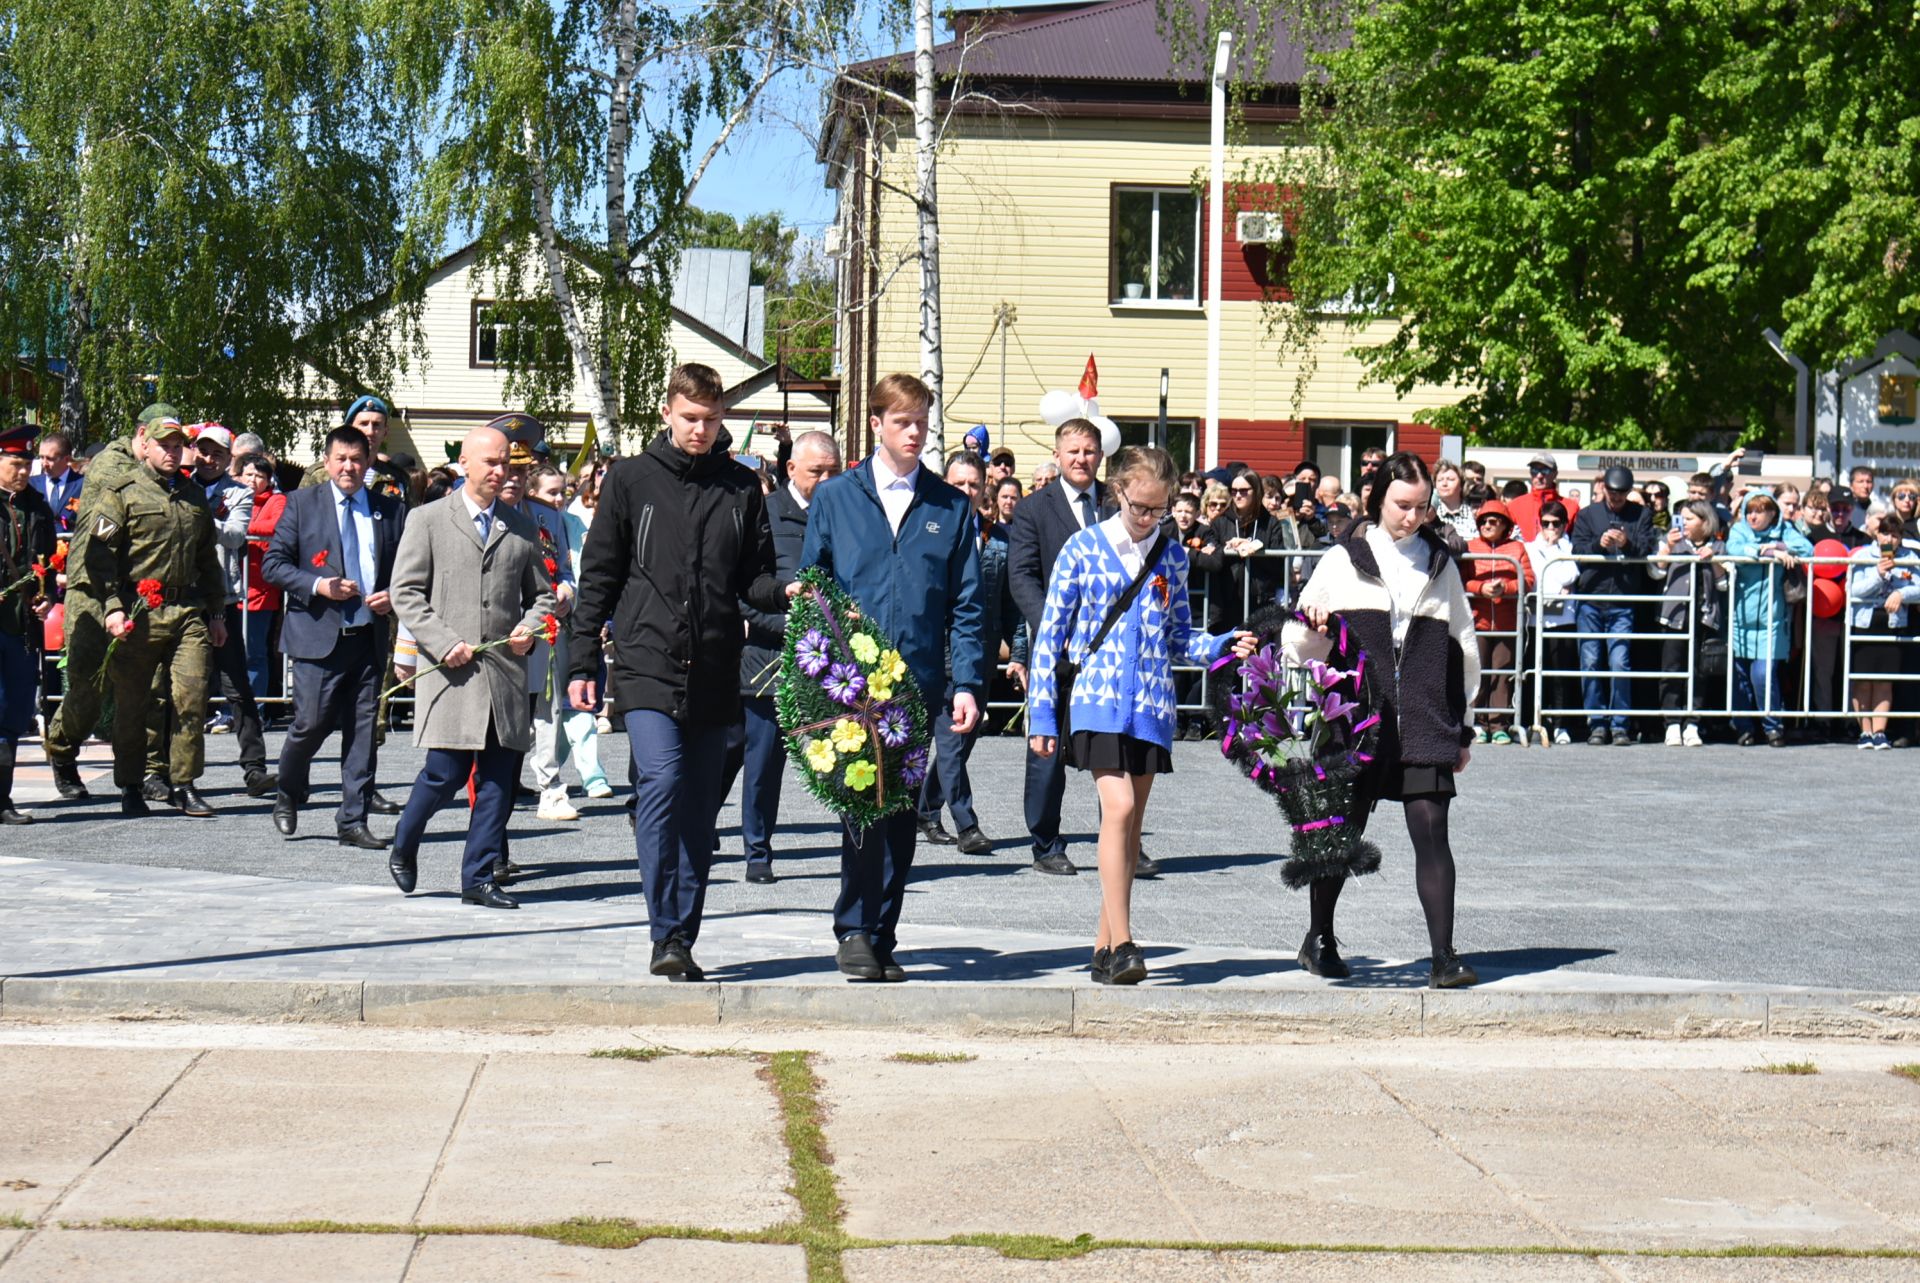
{"x": 148, "y": 524}
{"x": 26, "y": 547}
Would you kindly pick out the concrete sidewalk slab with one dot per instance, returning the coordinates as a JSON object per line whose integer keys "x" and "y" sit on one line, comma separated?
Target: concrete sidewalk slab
{"x": 90, "y": 1256}
{"x": 270, "y": 1136}
{"x": 1555, "y": 1138}
{"x": 676, "y": 1141}
{"x": 518, "y": 1260}
{"x": 984, "y": 1265}
{"x": 1647, "y": 1269}
{"x": 1154, "y": 1152}
{"x": 64, "y": 1111}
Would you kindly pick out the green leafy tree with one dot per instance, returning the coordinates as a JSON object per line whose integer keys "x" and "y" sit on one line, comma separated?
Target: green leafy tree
{"x": 563, "y": 142}
{"x": 185, "y": 185}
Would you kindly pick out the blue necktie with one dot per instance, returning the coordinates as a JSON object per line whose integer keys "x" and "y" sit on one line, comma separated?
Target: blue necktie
{"x": 483, "y": 522}
{"x": 350, "y": 553}
{"x": 1086, "y": 508}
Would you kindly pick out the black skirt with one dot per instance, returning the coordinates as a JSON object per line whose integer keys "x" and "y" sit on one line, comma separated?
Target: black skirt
{"x": 1873, "y": 654}
{"x": 1399, "y": 781}
{"x": 1112, "y": 751}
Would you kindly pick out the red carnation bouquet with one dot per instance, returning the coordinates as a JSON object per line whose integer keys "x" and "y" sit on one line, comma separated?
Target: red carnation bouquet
{"x": 547, "y": 630}
{"x": 148, "y": 595}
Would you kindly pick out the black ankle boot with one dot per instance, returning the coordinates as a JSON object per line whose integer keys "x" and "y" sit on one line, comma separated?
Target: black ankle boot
{"x": 1451, "y": 973}
{"x": 1320, "y": 956}
{"x": 7, "y": 814}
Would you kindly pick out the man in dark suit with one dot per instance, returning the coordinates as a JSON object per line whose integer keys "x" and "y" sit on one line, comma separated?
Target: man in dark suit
{"x": 754, "y": 742}
{"x": 57, "y": 481}
{"x": 332, "y": 555}
{"x": 1041, "y": 525}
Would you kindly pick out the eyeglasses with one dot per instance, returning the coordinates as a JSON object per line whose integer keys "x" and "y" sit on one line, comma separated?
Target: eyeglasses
{"x": 1493, "y": 521}
{"x": 1547, "y": 524}
{"x": 1241, "y": 489}
{"x": 1142, "y": 511}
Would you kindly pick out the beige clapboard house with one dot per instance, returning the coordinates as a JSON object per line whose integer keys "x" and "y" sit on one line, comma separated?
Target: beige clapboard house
{"x": 1067, "y": 200}
{"x": 459, "y": 384}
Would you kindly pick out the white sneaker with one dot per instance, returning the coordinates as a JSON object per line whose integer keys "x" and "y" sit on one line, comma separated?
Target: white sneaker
{"x": 1673, "y": 735}
{"x": 1690, "y": 737}
{"x": 603, "y": 724}
{"x": 1561, "y": 738}
{"x": 554, "y": 806}
{"x": 599, "y": 790}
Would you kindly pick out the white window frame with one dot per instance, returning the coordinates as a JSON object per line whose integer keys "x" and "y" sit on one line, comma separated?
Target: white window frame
{"x": 1151, "y": 298}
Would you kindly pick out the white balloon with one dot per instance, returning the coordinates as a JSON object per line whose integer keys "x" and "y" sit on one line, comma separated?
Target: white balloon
{"x": 1057, "y": 407}
{"x": 1090, "y": 407}
{"x": 1109, "y": 435}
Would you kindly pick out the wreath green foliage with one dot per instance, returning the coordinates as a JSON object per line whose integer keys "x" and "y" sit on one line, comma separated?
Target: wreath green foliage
{"x": 855, "y": 725}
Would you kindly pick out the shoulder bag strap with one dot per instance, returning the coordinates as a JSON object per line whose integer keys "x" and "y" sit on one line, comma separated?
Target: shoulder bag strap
{"x": 1125, "y": 601}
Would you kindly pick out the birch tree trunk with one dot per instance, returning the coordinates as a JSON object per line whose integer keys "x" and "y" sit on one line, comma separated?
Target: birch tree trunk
{"x": 595, "y": 381}
{"x": 925, "y": 142}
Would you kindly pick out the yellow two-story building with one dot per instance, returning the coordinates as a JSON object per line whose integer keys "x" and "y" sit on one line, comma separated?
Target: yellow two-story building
{"x": 1071, "y": 225}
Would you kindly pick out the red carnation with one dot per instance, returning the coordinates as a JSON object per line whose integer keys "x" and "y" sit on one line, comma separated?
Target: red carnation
{"x": 553, "y": 567}
{"x": 153, "y": 592}
{"x": 59, "y": 562}
{"x": 320, "y": 560}
{"x": 550, "y": 630}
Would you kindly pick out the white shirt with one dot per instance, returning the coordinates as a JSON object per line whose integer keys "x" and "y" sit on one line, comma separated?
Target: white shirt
{"x": 1074, "y": 505}
{"x": 1131, "y": 554}
{"x": 367, "y": 571}
{"x": 805, "y": 502}
{"x": 474, "y": 510}
{"x": 1403, "y": 565}
{"x": 896, "y": 491}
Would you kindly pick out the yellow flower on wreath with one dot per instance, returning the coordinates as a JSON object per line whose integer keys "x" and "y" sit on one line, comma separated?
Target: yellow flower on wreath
{"x": 864, "y": 648}
{"x": 889, "y": 668}
{"x": 820, "y": 756}
{"x": 848, "y": 736}
{"x": 879, "y": 689}
{"x": 860, "y": 775}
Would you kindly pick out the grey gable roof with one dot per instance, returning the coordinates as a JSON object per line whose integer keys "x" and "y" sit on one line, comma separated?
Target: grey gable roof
{"x": 1120, "y": 40}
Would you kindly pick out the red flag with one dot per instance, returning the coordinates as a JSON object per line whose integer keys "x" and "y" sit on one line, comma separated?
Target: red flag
{"x": 1090, "y": 380}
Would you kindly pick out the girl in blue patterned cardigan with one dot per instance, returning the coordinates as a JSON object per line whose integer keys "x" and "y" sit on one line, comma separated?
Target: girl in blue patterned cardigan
{"x": 1120, "y": 713}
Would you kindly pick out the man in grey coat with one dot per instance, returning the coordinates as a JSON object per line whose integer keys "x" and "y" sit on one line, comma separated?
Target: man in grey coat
{"x": 468, "y": 574}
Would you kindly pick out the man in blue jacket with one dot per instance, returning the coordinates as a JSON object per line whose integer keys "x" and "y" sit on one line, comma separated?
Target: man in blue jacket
{"x": 900, "y": 542}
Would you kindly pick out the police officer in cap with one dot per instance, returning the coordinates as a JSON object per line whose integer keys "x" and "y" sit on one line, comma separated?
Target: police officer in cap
{"x": 147, "y": 560}
{"x": 26, "y": 551}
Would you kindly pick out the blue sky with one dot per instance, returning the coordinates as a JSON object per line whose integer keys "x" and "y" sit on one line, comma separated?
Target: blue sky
{"x": 769, "y": 165}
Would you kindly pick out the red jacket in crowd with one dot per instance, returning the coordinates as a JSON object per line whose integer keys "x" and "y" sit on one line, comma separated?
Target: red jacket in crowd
{"x": 1483, "y": 570}
{"x": 262, "y": 595}
{"x": 1525, "y": 510}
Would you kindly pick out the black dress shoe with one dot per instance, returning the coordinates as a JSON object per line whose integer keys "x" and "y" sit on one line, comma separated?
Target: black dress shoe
{"x": 932, "y": 834}
{"x": 10, "y": 816}
{"x": 156, "y": 789}
{"x": 379, "y": 805}
{"x": 890, "y": 971}
{"x": 188, "y": 799}
{"x": 286, "y": 816}
{"x": 1146, "y": 866}
{"x": 1451, "y": 973}
{"x": 972, "y": 841}
{"x": 1747, "y": 739}
{"x": 1128, "y": 967}
{"x": 405, "y": 870}
{"x": 66, "y": 778}
{"x": 262, "y": 783}
{"x": 363, "y": 837}
{"x": 856, "y": 958}
{"x": 1776, "y": 739}
{"x": 1320, "y": 956}
{"x": 671, "y": 957}
{"x": 505, "y": 871}
{"x": 488, "y": 896}
{"x": 1054, "y": 863}
{"x": 1102, "y": 966}
{"x": 133, "y": 804}
{"x": 1598, "y": 737}
{"x": 1622, "y": 739}
{"x": 759, "y": 871}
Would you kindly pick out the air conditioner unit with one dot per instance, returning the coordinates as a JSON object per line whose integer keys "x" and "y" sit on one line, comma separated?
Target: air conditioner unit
{"x": 1254, "y": 227}
{"x": 833, "y": 241}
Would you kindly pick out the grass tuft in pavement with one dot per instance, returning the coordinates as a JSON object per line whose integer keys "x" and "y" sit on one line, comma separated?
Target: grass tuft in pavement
{"x": 1910, "y": 1072}
{"x": 14, "y": 1221}
{"x": 1792, "y": 1067}
{"x": 1028, "y": 1247}
{"x": 933, "y": 1057}
{"x": 629, "y": 1053}
{"x": 815, "y": 1187}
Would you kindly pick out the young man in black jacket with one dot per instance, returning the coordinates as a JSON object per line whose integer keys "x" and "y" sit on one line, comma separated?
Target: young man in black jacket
{"x": 679, "y": 540}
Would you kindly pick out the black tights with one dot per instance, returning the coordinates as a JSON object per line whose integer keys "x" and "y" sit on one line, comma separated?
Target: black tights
{"x": 1432, "y": 873}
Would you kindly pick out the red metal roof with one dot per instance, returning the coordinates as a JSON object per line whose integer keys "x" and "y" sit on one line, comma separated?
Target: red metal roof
{"x": 1120, "y": 40}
